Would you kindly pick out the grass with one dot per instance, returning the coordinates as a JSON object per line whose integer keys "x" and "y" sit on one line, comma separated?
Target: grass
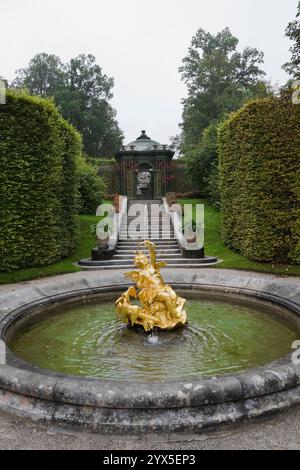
{"x": 214, "y": 246}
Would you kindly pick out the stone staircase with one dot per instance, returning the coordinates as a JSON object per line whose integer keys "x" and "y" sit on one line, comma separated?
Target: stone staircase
{"x": 159, "y": 230}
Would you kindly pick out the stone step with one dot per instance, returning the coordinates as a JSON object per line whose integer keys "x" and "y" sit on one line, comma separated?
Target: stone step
{"x": 139, "y": 247}
{"x": 159, "y": 256}
{"x": 159, "y": 251}
{"x": 146, "y": 236}
{"x": 151, "y": 228}
{"x": 131, "y": 266}
{"x": 149, "y": 215}
{"x": 146, "y": 225}
{"x": 134, "y": 249}
{"x": 165, "y": 220}
{"x": 147, "y": 219}
{"x": 144, "y": 201}
{"x": 128, "y": 263}
{"x": 136, "y": 242}
{"x": 150, "y": 232}
{"x": 149, "y": 223}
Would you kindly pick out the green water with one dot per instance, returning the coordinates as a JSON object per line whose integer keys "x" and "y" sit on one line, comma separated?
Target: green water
{"x": 220, "y": 338}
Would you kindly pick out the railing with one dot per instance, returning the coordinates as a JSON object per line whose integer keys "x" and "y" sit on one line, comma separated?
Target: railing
{"x": 117, "y": 221}
{"x": 188, "y": 250}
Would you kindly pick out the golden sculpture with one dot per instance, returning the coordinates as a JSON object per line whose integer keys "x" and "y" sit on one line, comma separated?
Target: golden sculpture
{"x": 160, "y": 307}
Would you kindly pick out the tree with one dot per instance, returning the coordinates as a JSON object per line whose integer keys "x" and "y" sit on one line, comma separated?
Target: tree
{"x": 82, "y": 92}
{"x": 44, "y": 75}
{"x": 85, "y": 103}
{"x": 203, "y": 158}
{"x": 175, "y": 144}
{"x": 293, "y": 33}
{"x": 85, "y": 76}
{"x": 219, "y": 79}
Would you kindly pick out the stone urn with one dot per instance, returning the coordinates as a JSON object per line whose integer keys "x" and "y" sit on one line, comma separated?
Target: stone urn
{"x": 189, "y": 232}
{"x": 102, "y": 235}
{"x": 102, "y": 244}
{"x": 190, "y": 237}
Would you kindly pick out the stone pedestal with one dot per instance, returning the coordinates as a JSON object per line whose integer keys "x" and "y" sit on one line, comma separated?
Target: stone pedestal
{"x": 99, "y": 254}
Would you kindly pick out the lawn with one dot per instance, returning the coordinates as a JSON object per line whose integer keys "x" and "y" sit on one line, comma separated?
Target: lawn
{"x": 230, "y": 259}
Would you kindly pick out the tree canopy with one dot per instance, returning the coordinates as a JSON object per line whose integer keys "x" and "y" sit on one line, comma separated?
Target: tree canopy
{"x": 293, "y": 33}
{"x": 219, "y": 79}
{"x": 82, "y": 92}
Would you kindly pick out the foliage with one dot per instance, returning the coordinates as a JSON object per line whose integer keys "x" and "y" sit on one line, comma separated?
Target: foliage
{"x": 213, "y": 186}
{"x": 219, "y": 79}
{"x": 293, "y": 33}
{"x": 91, "y": 187}
{"x": 229, "y": 259}
{"x": 106, "y": 161}
{"x": 82, "y": 92}
{"x": 260, "y": 180}
{"x": 83, "y": 250}
{"x": 44, "y": 75}
{"x": 68, "y": 191}
{"x": 37, "y": 180}
{"x": 203, "y": 158}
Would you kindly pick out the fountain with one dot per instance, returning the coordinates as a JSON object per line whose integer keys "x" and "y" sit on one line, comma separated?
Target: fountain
{"x": 69, "y": 361}
{"x": 160, "y": 307}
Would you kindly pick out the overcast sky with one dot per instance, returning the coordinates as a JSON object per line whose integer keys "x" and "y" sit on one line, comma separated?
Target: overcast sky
{"x": 141, "y": 44}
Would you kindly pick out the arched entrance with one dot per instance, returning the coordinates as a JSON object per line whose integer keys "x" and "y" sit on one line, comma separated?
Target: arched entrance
{"x": 144, "y": 184}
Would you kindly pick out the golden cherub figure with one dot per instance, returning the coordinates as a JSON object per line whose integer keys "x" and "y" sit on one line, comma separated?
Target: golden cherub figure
{"x": 160, "y": 307}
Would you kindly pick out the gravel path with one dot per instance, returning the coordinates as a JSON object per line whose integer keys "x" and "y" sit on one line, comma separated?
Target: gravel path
{"x": 279, "y": 433}
{"x": 231, "y": 272}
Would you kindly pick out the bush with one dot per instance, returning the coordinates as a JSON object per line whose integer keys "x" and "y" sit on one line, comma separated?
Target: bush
{"x": 91, "y": 187}
{"x": 68, "y": 191}
{"x": 213, "y": 187}
{"x": 37, "y": 180}
{"x": 203, "y": 158}
{"x": 260, "y": 180}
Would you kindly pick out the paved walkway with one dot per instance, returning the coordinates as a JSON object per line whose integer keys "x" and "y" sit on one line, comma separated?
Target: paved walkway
{"x": 231, "y": 272}
{"x": 281, "y": 432}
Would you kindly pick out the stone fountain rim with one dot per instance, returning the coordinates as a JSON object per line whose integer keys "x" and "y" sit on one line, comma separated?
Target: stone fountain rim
{"x": 260, "y": 382}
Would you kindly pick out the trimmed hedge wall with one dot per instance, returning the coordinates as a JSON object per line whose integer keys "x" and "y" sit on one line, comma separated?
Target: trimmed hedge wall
{"x": 38, "y": 151}
{"x": 259, "y": 149}
{"x": 91, "y": 187}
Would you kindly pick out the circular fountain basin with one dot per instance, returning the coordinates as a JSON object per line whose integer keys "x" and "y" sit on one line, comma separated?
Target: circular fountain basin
{"x": 224, "y": 335}
{"x": 67, "y": 360}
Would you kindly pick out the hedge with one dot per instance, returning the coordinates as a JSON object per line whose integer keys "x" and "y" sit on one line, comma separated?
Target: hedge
{"x": 259, "y": 151}
{"x": 91, "y": 187}
{"x": 38, "y": 150}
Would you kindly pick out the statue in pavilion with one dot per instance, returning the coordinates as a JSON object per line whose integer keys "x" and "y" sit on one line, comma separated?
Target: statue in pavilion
{"x": 159, "y": 306}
